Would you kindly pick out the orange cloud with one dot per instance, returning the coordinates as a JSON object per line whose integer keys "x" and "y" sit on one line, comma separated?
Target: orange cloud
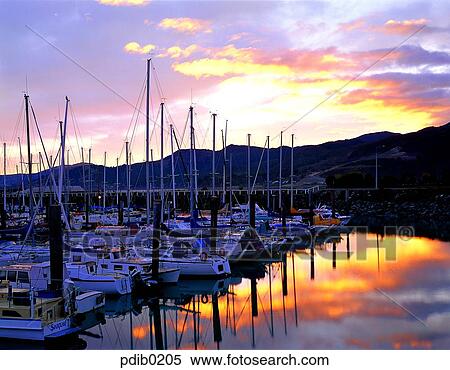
{"x": 207, "y": 67}
{"x": 186, "y": 25}
{"x": 124, "y": 2}
{"x": 403, "y": 27}
{"x": 352, "y": 25}
{"x": 135, "y": 48}
{"x": 178, "y": 52}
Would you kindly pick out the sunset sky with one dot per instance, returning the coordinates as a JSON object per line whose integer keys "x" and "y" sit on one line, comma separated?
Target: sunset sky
{"x": 384, "y": 65}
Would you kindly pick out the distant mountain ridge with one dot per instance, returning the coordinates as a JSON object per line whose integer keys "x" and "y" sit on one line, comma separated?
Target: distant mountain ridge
{"x": 401, "y": 157}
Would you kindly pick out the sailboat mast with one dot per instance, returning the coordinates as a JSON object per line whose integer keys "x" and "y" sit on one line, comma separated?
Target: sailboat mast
{"x": 21, "y": 173}
{"x": 191, "y": 161}
{"x": 214, "y": 155}
{"x": 4, "y": 176}
{"x": 231, "y": 184}
{"x": 152, "y": 185}
{"x": 174, "y": 197}
{"x": 268, "y": 173}
{"x": 147, "y": 145}
{"x": 292, "y": 171}
{"x": 104, "y": 182}
{"x": 63, "y": 127}
{"x": 128, "y": 176}
{"x": 89, "y": 178}
{"x": 224, "y": 142}
{"x": 117, "y": 181}
{"x": 248, "y": 170}
{"x": 161, "y": 167}
{"x": 280, "y": 173}
{"x": 30, "y": 161}
{"x": 41, "y": 190}
{"x": 195, "y": 173}
{"x": 68, "y": 179}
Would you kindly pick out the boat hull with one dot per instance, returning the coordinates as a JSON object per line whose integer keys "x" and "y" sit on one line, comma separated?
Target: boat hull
{"x": 34, "y": 329}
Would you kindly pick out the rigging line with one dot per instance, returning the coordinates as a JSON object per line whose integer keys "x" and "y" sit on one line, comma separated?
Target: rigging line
{"x": 181, "y": 157}
{"x": 45, "y": 152}
{"x": 78, "y": 135}
{"x": 200, "y": 128}
{"x": 259, "y": 166}
{"x": 18, "y": 124}
{"x": 104, "y": 84}
{"x": 135, "y": 124}
{"x": 334, "y": 93}
{"x": 153, "y": 128}
{"x": 184, "y": 129}
{"x": 139, "y": 101}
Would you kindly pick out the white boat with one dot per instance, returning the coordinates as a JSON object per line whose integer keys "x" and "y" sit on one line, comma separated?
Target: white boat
{"x": 86, "y": 278}
{"x": 29, "y": 310}
{"x": 117, "y": 261}
{"x": 198, "y": 265}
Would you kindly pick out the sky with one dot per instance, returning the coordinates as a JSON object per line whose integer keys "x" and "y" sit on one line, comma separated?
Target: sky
{"x": 321, "y": 70}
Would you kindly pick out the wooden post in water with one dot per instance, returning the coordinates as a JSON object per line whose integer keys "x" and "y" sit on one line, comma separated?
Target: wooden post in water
{"x": 334, "y": 255}
{"x": 217, "y": 330}
{"x": 157, "y": 323}
{"x": 214, "y": 211}
{"x": 56, "y": 247}
{"x": 254, "y": 297}
{"x": 348, "y": 246}
{"x": 156, "y": 238}
{"x": 284, "y": 281}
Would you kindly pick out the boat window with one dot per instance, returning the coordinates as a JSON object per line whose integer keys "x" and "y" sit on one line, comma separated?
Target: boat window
{"x": 116, "y": 255}
{"x": 104, "y": 266}
{"x": 2, "y": 275}
{"x": 12, "y": 276}
{"x": 11, "y": 313}
{"x": 131, "y": 268}
{"x": 220, "y": 268}
{"x": 22, "y": 277}
{"x": 76, "y": 259}
{"x": 39, "y": 311}
{"x": 49, "y": 315}
{"x": 106, "y": 256}
{"x": 118, "y": 267}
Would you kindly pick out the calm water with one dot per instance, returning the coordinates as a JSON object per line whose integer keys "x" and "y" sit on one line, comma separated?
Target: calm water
{"x": 348, "y": 302}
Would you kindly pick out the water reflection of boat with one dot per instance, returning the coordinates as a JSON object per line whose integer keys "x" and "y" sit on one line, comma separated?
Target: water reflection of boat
{"x": 188, "y": 288}
{"x": 249, "y": 270}
{"x": 116, "y": 306}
